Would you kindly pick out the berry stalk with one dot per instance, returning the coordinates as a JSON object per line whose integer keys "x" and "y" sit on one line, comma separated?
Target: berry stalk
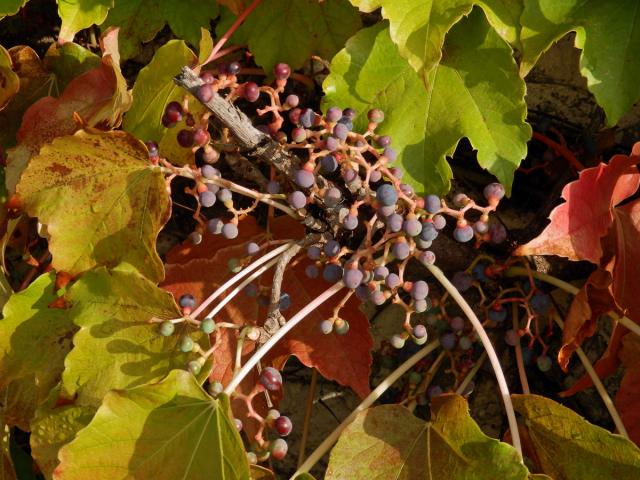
{"x": 486, "y": 342}
{"x": 366, "y": 403}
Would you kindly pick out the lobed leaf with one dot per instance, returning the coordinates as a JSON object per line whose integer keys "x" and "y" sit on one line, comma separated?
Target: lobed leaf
{"x": 101, "y": 200}
{"x": 569, "y": 447}
{"x": 117, "y": 347}
{"x": 29, "y": 325}
{"x": 69, "y": 61}
{"x": 79, "y": 14}
{"x": 9, "y": 80}
{"x": 389, "y": 442}
{"x": 462, "y": 98}
{"x": 167, "y": 430}
{"x": 312, "y": 28}
{"x": 607, "y": 32}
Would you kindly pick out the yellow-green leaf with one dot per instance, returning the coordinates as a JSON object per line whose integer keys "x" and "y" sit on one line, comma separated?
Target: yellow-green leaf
{"x": 389, "y": 442}
{"x": 164, "y": 431}
{"x": 117, "y": 347}
{"x": 571, "y": 448}
{"x": 102, "y": 201}
{"x": 79, "y": 14}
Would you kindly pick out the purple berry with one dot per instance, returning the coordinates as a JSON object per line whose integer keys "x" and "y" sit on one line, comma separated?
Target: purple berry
{"x": 380, "y": 272}
{"x": 304, "y": 178}
{"x": 297, "y": 199}
{"x": 463, "y": 234}
{"x": 250, "y": 91}
{"x": 282, "y": 71}
{"x": 205, "y": 93}
{"x": 493, "y": 192}
{"x": 352, "y": 278}
{"x": 207, "y": 198}
{"x": 401, "y": 250}
{"x": 350, "y": 222}
{"x": 283, "y": 426}
{"x": 432, "y": 203}
{"x": 271, "y": 379}
{"x": 419, "y": 290}
{"x": 392, "y": 281}
{"x": 334, "y": 114}
{"x": 230, "y": 231}
{"x": 448, "y": 341}
{"x": 456, "y": 324}
{"x": 375, "y": 115}
{"x": 273, "y": 187}
{"x": 386, "y": 195}
{"x": 328, "y": 164}
{"x": 215, "y": 226}
{"x": 331, "y": 248}
{"x": 439, "y": 222}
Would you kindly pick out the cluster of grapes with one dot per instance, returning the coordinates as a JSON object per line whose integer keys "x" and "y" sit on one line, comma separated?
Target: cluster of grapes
{"x": 376, "y": 223}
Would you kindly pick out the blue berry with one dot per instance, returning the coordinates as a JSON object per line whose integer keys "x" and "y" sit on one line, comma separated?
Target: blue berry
{"x": 386, "y": 195}
{"x": 439, "y": 221}
{"x": 352, "y": 278}
{"x": 304, "y": 178}
{"x": 334, "y": 114}
{"x": 326, "y": 327}
{"x": 224, "y": 195}
{"x": 463, "y": 234}
{"x": 297, "y": 199}
{"x": 432, "y": 203}
{"x": 394, "y": 222}
{"x": 313, "y": 252}
{"x": 328, "y": 164}
{"x": 332, "y": 273}
{"x": 392, "y": 281}
{"x": 209, "y": 172}
{"x": 412, "y": 227}
{"x": 311, "y": 271}
{"x": 540, "y": 303}
{"x": 230, "y": 231}
{"x": 187, "y": 301}
{"x": 252, "y": 248}
{"x": 215, "y": 226}
{"x": 401, "y": 250}
{"x": 427, "y": 257}
{"x": 429, "y": 232}
{"x": 383, "y": 140}
{"x": 421, "y": 305}
{"x": 350, "y": 222}
{"x": 419, "y": 331}
{"x": 332, "y": 197}
{"x": 331, "y": 248}
{"x": 498, "y": 314}
{"x": 207, "y": 198}
{"x": 419, "y": 290}
{"x": 340, "y": 131}
{"x": 493, "y": 192}
{"x": 285, "y": 301}
{"x": 448, "y": 341}
{"x": 380, "y": 272}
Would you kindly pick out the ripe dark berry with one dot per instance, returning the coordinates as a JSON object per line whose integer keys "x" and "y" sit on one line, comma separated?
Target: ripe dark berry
{"x": 463, "y": 234}
{"x": 215, "y": 226}
{"x": 207, "y": 198}
{"x": 419, "y": 290}
{"x": 331, "y": 248}
{"x": 304, "y": 178}
{"x": 273, "y": 187}
{"x": 282, "y": 71}
{"x": 328, "y": 164}
{"x": 334, "y": 114}
{"x": 233, "y": 68}
{"x": 494, "y": 193}
{"x": 205, "y": 93}
{"x": 432, "y": 203}
{"x": 297, "y": 199}
{"x": 352, "y": 278}
{"x": 350, "y": 222}
{"x": 201, "y": 137}
{"x": 187, "y": 301}
{"x": 185, "y": 138}
{"x": 386, "y": 195}
{"x": 230, "y": 231}
{"x": 332, "y": 273}
{"x": 375, "y": 115}
{"x": 283, "y": 426}
{"x": 271, "y": 379}
{"x": 250, "y": 91}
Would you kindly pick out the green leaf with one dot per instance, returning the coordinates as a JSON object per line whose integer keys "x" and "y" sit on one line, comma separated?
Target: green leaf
{"x": 187, "y": 17}
{"x": 69, "y": 61}
{"x": 464, "y": 98}
{"x": 79, "y": 14}
{"x": 101, "y": 200}
{"x": 117, "y": 347}
{"x": 312, "y": 28}
{"x": 418, "y": 27}
{"x": 139, "y": 22}
{"x": 389, "y": 442}
{"x": 569, "y": 447}
{"x": 53, "y": 429}
{"x": 10, "y": 7}
{"x": 154, "y": 89}
{"x": 607, "y": 32}
{"x": 165, "y": 431}
{"x": 29, "y": 326}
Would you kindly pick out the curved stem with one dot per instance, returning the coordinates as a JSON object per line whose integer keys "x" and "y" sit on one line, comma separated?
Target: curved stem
{"x": 524, "y": 382}
{"x": 292, "y": 322}
{"x": 243, "y": 273}
{"x": 567, "y": 287}
{"x": 598, "y": 384}
{"x": 493, "y": 358}
{"x": 366, "y": 403}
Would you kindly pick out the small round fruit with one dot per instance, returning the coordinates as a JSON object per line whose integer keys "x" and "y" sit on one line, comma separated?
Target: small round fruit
{"x": 186, "y": 344}
{"x": 326, "y": 327}
{"x": 279, "y": 449}
{"x": 397, "y": 341}
{"x": 271, "y": 379}
{"x": 283, "y": 426}
{"x": 544, "y": 363}
{"x": 167, "y": 328}
{"x": 208, "y": 325}
{"x": 194, "y": 367}
{"x": 340, "y": 326}
{"x": 187, "y": 301}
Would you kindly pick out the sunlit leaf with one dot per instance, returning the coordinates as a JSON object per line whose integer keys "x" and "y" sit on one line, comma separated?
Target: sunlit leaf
{"x": 569, "y": 447}
{"x": 463, "y": 99}
{"x": 163, "y": 431}
{"x": 102, "y": 201}
{"x": 117, "y": 347}
{"x": 79, "y": 14}
{"x": 389, "y": 442}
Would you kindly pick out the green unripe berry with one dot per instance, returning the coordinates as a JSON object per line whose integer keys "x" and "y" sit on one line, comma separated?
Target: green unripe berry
{"x": 208, "y": 326}
{"x": 167, "y": 328}
{"x": 215, "y": 389}
{"x": 194, "y": 367}
{"x": 186, "y": 344}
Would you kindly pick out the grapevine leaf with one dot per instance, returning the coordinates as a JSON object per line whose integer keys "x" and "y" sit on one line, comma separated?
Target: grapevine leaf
{"x": 187, "y": 17}
{"x": 343, "y": 358}
{"x": 137, "y": 25}
{"x": 68, "y": 61}
{"x": 418, "y": 28}
{"x": 313, "y": 28}
{"x": 101, "y": 200}
{"x": 117, "y": 346}
{"x": 578, "y": 225}
{"x": 628, "y": 395}
{"x": 35, "y": 83}
{"x": 79, "y": 14}
{"x": 463, "y": 98}
{"x": 389, "y": 442}
{"x": 611, "y": 73}
{"x": 236, "y": 6}
{"x": 9, "y": 80}
{"x": 164, "y": 431}
{"x": 570, "y": 447}
{"x": 10, "y": 7}
{"x": 98, "y": 97}
{"x": 29, "y": 325}
{"x": 154, "y": 89}
{"x": 53, "y": 429}
{"x": 593, "y": 300}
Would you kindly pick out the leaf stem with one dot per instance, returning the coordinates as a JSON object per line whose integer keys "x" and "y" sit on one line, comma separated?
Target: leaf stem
{"x": 567, "y": 287}
{"x": 366, "y": 403}
{"x": 292, "y": 322}
{"x": 237, "y": 277}
{"x": 493, "y": 358}
{"x": 597, "y": 383}
{"x": 231, "y": 31}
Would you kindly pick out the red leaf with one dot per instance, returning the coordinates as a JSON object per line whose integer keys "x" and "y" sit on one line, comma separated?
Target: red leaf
{"x": 628, "y": 396}
{"x": 593, "y": 299}
{"x": 578, "y": 224}
{"x": 607, "y": 364}
{"x": 625, "y": 266}
{"x": 345, "y": 359}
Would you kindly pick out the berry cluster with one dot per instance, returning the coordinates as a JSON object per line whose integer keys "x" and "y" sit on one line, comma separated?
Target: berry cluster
{"x": 374, "y": 224}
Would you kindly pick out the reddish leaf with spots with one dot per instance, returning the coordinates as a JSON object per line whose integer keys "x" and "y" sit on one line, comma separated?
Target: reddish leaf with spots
{"x": 345, "y": 359}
